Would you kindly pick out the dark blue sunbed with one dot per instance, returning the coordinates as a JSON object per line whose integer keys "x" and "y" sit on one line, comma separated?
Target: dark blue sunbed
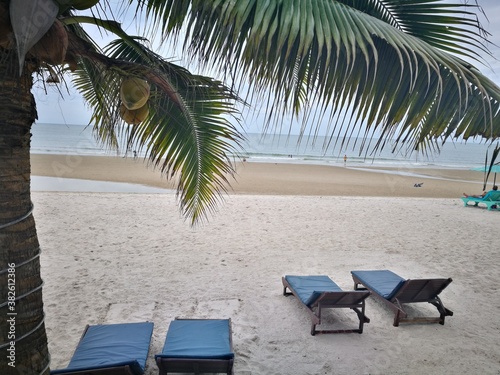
{"x": 197, "y": 345}
{"x": 320, "y": 292}
{"x": 395, "y": 291}
{"x": 111, "y": 349}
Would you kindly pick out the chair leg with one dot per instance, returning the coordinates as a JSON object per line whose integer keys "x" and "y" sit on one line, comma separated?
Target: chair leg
{"x": 396, "y": 319}
{"x": 313, "y": 329}
{"x": 316, "y": 319}
{"x": 400, "y": 312}
{"x": 361, "y": 324}
{"x": 443, "y": 311}
{"x": 361, "y": 316}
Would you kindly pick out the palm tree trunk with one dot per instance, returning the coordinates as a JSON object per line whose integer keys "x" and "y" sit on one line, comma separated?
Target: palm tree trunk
{"x": 23, "y": 340}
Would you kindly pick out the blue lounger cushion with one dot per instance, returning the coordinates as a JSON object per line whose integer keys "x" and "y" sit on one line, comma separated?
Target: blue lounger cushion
{"x": 309, "y": 288}
{"x": 383, "y": 282}
{"x": 112, "y": 345}
{"x": 198, "y": 339}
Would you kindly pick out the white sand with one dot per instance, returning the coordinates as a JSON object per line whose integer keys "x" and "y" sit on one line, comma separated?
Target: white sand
{"x": 130, "y": 257}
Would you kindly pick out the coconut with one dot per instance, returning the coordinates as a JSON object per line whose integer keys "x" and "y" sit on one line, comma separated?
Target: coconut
{"x": 53, "y": 45}
{"x": 135, "y": 116}
{"x": 134, "y": 92}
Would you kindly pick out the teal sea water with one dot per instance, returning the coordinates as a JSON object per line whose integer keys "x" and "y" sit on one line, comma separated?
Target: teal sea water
{"x": 79, "y": 140}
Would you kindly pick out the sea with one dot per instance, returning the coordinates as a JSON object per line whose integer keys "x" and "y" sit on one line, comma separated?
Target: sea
{"x": 275, "y": 148}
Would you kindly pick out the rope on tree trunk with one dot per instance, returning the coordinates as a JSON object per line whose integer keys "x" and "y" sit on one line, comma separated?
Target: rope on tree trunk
{"x": 23, "y": 263}
{"x": 23, "y": 295}
{"x": 4, "y": 345}
{"x": 24, "y": 217}
{"x": 27, "y": 334}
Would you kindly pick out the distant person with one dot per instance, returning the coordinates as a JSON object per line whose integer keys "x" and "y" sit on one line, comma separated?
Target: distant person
{"x": 345, "y": 160}
{"x": 481, "y": 195}
{"x": 135, "y": 155}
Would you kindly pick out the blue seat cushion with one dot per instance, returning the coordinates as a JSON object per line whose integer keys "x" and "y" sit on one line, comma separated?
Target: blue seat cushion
{"x": 383, "y": 282}
{"x": 309, "y": 288}
{"x": 198, "y": 339}
{"x": 112, "y": 345}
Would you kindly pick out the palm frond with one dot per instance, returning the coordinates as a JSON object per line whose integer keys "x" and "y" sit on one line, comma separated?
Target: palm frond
{"x": 393, "y": 62}
{"x": 188, "y": 133}
{"x": 451, "y": 27}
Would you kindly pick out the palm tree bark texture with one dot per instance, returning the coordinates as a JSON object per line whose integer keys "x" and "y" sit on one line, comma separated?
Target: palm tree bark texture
{"x": 23, "y": 340}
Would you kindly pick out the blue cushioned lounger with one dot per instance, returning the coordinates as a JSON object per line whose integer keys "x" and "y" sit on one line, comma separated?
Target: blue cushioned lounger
{"x": 111, "y": 349}
{"x": 197, "y": 345}
{"x": 320, "y": 292}
{"x": 395, "y": 291}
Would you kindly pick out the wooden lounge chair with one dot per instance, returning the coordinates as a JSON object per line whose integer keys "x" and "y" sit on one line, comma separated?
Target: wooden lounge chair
{"x": 395, "y": 291}
{"x": 111, "y": 349}
{"x": 320, "y": 292}
{"x": 197, "y": 346}
{"x": 490, "y": 200}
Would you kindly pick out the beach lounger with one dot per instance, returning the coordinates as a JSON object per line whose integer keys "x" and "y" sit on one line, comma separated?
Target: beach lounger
{"x": 395, "y": 291}
{"x": 197, "y": 346}
{"x": 320, "y": 292}
{"x": 490, "y": 200}
{"x": 111, "y": 349}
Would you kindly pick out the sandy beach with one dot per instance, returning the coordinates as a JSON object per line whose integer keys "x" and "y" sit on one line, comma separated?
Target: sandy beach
{"x": 115, "y": 257}
{"x": 276, "y": 178}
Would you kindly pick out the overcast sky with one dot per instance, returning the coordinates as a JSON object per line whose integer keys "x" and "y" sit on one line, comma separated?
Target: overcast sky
{"x": 69, "y": 108}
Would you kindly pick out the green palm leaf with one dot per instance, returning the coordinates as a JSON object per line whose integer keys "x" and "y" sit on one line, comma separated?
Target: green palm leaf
{"x": 393, "y": 63}
{"x": 187, "y": 134}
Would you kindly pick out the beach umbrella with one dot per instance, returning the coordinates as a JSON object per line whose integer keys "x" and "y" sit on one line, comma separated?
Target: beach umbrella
{"x": 494, "y": 169}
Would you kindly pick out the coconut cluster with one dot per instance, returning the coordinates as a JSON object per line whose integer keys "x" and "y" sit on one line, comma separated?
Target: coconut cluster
{"x": 134, "y": 94}
{"x": 53, "y": 45}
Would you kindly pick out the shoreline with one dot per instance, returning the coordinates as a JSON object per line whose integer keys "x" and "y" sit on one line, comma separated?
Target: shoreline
{"x": 269, "y": 178}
